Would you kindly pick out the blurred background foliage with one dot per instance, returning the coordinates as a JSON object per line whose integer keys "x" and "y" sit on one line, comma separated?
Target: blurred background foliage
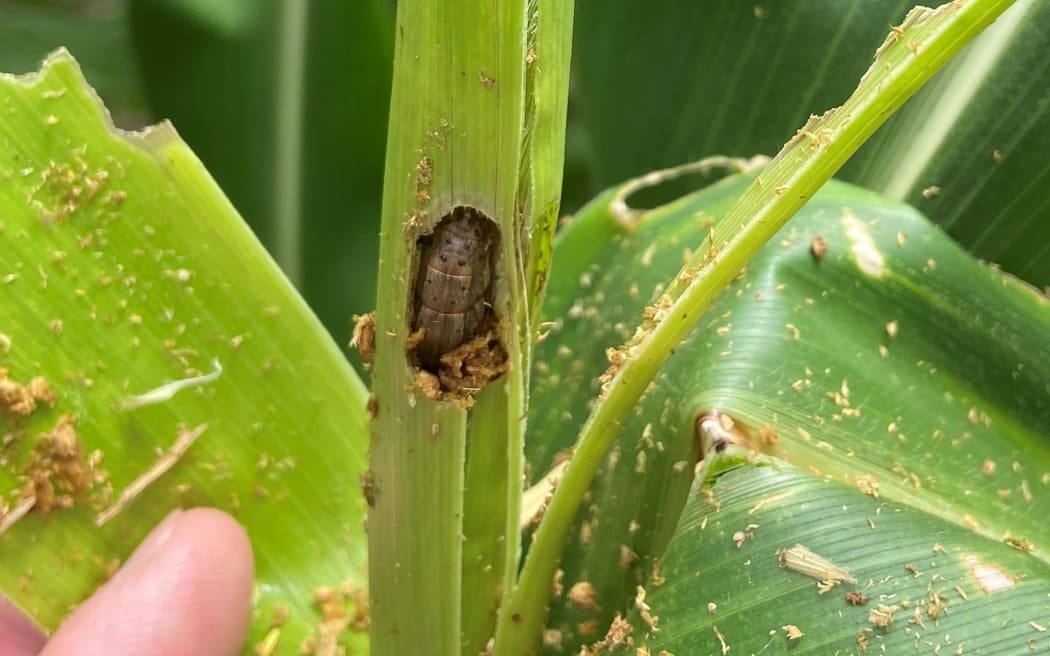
{"x": 286, "y": 103}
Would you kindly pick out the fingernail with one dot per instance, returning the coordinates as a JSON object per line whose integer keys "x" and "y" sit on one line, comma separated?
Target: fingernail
{"x": 154, "y": 542}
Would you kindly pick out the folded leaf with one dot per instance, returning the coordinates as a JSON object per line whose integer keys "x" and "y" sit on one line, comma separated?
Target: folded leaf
{"x": 861, "y": 345}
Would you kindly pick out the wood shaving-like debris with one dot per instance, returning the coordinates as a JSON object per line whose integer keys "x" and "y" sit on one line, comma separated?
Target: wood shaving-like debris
{"x": 802, "y": 560}
{"x": 619, "y": 633}
{"x": 364, "y": 337}
{"x": 882, "y": 616}
{"x": 20, "y": 400}
{"x": 644, "y": 609}
{"x": 11, "y": 517}
{"x": 58, "y": 471}
{"x": 818, "y": 247}
{"x": 868, "y": 484}
{"x": 1019, "y": 543}
{"x": 584, "y": 596}
{"x": 721, "y": 640}
{"x": 183, "y": 442}
{"x": 335, "y": 620}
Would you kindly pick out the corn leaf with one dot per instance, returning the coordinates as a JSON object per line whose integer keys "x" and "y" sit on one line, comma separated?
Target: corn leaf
{"x": 893, "y": 364}
{"x": 159, "y": 333}
{"x": 733, "y": 78}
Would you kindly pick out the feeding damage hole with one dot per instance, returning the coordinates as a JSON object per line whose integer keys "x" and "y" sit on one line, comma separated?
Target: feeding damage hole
{"x": 455, "y": 340}
{"x": 657, "y": 188}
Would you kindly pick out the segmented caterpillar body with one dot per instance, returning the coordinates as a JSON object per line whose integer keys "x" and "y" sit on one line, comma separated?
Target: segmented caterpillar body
{"x": 453, "y": 283}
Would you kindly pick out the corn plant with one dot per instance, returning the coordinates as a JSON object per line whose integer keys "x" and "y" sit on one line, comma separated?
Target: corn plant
{"x": 729, "y": 405}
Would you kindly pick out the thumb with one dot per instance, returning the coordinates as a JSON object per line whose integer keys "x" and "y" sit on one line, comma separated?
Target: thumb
{"x": 186, "y": 591}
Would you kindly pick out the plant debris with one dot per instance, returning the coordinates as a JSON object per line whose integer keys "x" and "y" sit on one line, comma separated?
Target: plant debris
{"x": 364, "y": 338}
{"x": 1019, "y": 543}
{"x": 469, "y": 367}
{"x": 21, "y": 400}
{"x": 854, "y": 598}
{"x": 369, "y": 487}
{"x": 10, "y": 517}
{"x": 644, "y": 610}
{"x": 58, "y": 472}
{"x": 619, "y": 634}
{"x": 800, "y": 559}
{"x": 336, "y": 618}
{"x": 818, "y": 247}
{"x": 721, "y": 640}
{"x": 882, "y": 616}
{"x": 183, "y": 442}
{"x": 868, "y": 484}
{"x": 584, "y": 596}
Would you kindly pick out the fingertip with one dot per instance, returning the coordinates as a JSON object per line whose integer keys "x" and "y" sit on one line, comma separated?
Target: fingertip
{"x": 18, "y": 635}
{"x": 223, "y": 559}
{"x": 225, "y": 539}
{"x": 185, "y": 592}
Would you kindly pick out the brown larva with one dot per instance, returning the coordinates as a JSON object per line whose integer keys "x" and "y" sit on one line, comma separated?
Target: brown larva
{"x": 453, "y": 283}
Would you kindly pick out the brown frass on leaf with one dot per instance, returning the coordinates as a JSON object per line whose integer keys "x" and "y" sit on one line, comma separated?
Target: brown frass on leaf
{"x": 584, "y": 596}
{"x": 21, "y": 400}
{"x": 57, "y": 473}
{"x": 854, "y": 598}
{"x": 818, "y": 248}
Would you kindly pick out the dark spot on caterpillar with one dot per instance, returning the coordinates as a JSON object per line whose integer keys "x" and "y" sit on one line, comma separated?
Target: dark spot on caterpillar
{"x": 452, "y": 301}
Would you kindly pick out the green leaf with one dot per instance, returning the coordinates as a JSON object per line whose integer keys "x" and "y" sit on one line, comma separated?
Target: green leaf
{"x": 134, "y": 289}
{"x": 809, "y": 159}
{"x": 735, "y": 78}
{"x": 603, "y": 277}
{"x": 946, "y": 416}
{"x": 969, "y": 150}
{"x": 733, "y": 579}
{"x": 676, "y": 81}
{"x": 286, "y": 103}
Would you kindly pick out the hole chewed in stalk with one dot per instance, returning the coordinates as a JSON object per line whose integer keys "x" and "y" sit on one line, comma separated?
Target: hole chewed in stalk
{"x": 455, "y": 338}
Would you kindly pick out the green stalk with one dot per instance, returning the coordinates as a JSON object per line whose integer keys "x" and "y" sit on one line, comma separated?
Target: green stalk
{"x": 459, "y": 135}
{"x": 911, "y": 54}
{"x": 495, "y": 466}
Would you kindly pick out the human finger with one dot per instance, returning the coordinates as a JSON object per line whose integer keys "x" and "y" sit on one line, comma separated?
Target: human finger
{"x": 18, "y": 635}
{"x": 186, "y": 591}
